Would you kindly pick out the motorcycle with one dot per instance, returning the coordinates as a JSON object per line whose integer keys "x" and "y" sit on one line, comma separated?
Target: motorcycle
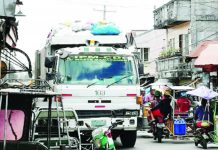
{"x": 202, "y": 137}
{"x": 101, "y": 137}
{"x": 158, "y": 129}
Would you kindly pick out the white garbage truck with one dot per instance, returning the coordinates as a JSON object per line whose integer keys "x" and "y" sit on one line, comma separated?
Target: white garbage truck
{"x": 97, "y": 76}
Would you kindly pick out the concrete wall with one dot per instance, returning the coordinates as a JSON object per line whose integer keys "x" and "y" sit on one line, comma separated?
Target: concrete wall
{"x": 204, "y": 20}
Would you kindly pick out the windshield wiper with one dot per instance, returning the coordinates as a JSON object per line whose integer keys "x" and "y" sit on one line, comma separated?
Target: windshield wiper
{"x": 92, "y": 84}
{"x": 119, "y": 80}
{"x": 99, "y": 79}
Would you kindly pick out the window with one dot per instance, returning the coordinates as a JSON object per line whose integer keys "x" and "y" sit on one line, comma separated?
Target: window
{"x": 173, "y": 43}
{"x": 181, "y": 42}
{"x": 144, "y": 54}
{"x": 170, "y": 43}
{"x": 186, "y": 47}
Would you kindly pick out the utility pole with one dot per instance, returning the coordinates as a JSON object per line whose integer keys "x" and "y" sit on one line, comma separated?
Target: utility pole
{"x": 104, "y": 11}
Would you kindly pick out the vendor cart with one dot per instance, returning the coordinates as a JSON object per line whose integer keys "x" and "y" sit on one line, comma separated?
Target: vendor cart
{"x": 180, "y": 123}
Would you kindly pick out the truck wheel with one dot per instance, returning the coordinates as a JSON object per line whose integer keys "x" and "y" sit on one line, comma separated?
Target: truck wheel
{"x": 115, "y": 135}
{"x": 128, "y": 138}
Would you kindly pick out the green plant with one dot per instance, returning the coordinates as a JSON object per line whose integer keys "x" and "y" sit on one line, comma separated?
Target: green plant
{"x": 168, "y": 52}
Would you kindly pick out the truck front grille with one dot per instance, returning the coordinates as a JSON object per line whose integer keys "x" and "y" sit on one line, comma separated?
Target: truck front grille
{"x": 98, "y": 113}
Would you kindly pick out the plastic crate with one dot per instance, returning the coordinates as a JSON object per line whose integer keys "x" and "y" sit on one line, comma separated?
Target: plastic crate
{"x": 179, "y": 127}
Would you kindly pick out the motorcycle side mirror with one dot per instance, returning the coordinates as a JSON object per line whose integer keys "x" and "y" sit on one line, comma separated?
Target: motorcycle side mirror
{"x": 120, "y": 122}
{"x": 87, "y": 125}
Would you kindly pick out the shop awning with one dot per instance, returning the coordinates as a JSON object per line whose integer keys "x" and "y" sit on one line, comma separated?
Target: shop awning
{"x": 209, "y": 56}
{"x": 206, "y": 55}
{"x": 201, "y": 47}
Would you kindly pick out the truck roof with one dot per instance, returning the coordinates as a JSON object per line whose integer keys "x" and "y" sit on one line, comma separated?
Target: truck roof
{"x": 68, "y": 37}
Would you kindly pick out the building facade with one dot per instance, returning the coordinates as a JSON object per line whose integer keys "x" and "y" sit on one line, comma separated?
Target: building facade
{"x": 187, "y": 23}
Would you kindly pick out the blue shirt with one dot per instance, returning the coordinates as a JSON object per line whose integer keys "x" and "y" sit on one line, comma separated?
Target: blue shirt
{"x": 199, "y": 114}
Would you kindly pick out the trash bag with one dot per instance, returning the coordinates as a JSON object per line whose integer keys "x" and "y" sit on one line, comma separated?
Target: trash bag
{"x": 105, "y": 29}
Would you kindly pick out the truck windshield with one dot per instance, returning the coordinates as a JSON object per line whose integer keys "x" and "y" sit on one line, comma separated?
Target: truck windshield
{"x": 97, "y": 70}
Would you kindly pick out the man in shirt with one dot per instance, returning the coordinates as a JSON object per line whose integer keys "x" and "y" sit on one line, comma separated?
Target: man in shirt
{"x": 149, "y": 97}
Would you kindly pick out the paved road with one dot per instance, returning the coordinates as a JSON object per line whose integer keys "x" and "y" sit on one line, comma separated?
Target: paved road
{"x": 144, "y": 142}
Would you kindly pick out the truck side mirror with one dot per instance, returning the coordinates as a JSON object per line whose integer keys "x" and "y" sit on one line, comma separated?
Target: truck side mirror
{"x": 141, "y": 68}
{"x": 50, "y": 76}
{"x": 50, "y": 61}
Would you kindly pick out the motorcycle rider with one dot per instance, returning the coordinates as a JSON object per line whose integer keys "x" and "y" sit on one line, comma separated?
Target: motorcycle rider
{"x": 157, "y": 98}
{"x": 163, "y": 108}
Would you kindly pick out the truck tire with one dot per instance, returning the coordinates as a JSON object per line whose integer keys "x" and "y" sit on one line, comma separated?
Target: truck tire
{"x": 128, "y": 138}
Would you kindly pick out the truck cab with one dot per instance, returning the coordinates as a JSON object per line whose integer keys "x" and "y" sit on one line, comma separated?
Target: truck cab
{"x": 99, "y": 80}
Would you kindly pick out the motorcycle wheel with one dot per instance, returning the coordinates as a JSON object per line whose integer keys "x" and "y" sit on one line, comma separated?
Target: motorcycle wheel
{"x": 154, "y": 137}
{"x": 107, "y": 146}
{"x": 204, "y": 144}
{"x": 159, "y": 135}
{"x": 159, "y": 139}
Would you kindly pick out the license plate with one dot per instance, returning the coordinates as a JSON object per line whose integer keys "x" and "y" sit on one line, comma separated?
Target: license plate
{"x": 160, "y": 125}
{"x": 205, "y": 136}
{"x": 98, "y": 123}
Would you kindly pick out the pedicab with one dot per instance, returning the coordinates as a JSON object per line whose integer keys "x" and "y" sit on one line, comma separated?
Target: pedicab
{"x": 206, "y": 130}
{"x": 180, "y": 124}
{"x": 16, "y": 103}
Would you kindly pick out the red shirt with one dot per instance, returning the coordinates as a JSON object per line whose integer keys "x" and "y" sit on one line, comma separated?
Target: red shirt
{"x": 183, "y": 104}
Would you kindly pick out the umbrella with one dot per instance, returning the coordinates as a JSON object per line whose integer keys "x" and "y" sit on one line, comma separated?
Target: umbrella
{"x": 203, "y": 92}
